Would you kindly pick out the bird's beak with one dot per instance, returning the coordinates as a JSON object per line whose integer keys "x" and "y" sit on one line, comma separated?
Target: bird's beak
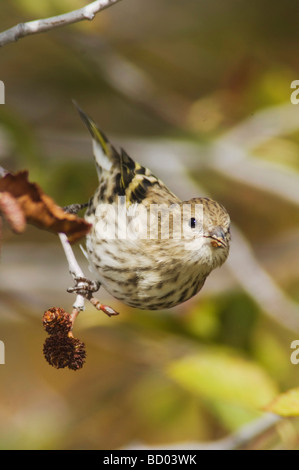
{"x": 217, "y": 236}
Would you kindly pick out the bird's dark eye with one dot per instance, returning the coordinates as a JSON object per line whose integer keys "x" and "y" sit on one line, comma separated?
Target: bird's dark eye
{"x": 192, "y": 222}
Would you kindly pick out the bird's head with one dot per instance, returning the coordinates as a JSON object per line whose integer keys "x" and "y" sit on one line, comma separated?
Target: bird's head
{"x": 205, "y": 227}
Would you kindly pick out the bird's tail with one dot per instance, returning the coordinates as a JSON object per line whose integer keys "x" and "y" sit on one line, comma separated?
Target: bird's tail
{"x": 104, "y": 153}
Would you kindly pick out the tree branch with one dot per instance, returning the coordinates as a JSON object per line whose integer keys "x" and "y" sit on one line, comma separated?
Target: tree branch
{"x": 74, "y": 268}
{"x": 240, "y": 439}
{"x": 39, "y": 26}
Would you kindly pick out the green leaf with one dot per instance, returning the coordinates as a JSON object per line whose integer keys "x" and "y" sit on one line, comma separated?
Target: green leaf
{"x": 222, "y": 376}
{"x": 286, "y": 404}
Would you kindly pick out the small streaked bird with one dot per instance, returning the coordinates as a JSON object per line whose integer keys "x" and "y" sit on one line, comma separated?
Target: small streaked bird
{"x": 148, "y": 248}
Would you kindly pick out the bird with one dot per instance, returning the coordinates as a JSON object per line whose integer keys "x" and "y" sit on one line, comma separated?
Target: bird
{"x": 146, "y": 247}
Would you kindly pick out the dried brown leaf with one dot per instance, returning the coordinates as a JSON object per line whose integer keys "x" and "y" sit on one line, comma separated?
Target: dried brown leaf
{"x": 11, "y": 210}
{"x": 40, "y": 209}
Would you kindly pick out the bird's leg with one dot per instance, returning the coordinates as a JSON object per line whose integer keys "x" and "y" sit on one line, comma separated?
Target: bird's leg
{"x": 75, "y": 208}
{"x": 86, "y": 287}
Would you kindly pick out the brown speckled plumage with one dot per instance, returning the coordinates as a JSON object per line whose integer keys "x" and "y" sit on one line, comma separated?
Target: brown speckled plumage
{"x": 149, "y": 271}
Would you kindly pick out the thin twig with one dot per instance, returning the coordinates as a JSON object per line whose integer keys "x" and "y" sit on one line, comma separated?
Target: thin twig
{"x": 39, "y": 26}
{"x": 240, "y": 439}
{"x": 74, "y": 269}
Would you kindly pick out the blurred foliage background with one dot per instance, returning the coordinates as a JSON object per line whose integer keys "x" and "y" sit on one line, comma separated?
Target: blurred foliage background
{"x": 199, "y": 92}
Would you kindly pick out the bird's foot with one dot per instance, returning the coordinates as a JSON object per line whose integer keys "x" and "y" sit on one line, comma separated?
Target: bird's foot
{"x": 75, "y": 208}
{"x": 86, "y": 287}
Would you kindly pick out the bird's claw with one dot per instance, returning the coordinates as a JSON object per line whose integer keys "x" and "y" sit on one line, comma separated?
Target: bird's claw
{"x": 84, "y": 287}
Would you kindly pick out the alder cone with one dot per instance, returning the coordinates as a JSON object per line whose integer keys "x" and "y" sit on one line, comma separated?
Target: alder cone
{"x": 62, "y": 351}
{"x": 57, "y": 321}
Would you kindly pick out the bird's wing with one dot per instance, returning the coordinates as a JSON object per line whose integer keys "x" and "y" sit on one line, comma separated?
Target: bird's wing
{"x": 129, "y": 178}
